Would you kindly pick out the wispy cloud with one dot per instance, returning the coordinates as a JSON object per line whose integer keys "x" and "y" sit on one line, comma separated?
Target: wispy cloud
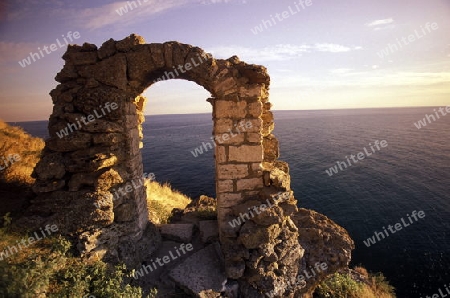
{"x": 333, "y": 48}
{"x": 24, "y": 9}
{"x": 95, "y": 17}
{"x": 399, "y": 78}
{"x": 106, "y": 15}
{"x": 280, "y": 52}
{"x": 380, "y": 22}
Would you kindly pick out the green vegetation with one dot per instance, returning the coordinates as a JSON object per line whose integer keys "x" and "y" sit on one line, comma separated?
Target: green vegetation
{"x": 345, "y": 285}
{"x": 47, "y": 269}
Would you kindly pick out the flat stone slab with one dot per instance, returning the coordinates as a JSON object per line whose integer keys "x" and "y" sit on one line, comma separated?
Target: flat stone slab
{"x": 202, "y": 273}
{"x": 177, "y": 232}
{"x": 209, "y": 231}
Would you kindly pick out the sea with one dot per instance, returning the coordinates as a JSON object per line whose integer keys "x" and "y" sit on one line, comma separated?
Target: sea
{"x": 410, "y": 174}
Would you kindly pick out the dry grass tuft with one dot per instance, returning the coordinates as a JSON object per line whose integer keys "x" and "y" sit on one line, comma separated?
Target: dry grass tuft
{"x": 162, "y": 199}
{"x": 14, "y": 140}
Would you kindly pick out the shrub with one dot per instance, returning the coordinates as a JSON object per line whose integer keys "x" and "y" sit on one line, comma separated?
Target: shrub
{"x": 46, "y": 269}
{"x": 339, "y": 286}
{"x": 342, "y": 285}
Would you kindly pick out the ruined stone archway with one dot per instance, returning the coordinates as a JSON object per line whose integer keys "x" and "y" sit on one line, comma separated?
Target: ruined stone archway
{"x": 99, "y": 104}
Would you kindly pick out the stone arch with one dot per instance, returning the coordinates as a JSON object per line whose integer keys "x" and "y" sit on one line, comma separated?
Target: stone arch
{"x": 78, "y": 170}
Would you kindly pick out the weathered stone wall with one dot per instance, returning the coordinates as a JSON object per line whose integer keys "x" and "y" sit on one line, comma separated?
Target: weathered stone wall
{"x": 81, "y": 169}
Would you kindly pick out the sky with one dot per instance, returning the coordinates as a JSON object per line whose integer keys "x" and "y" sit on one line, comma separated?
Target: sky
{"x": 320, "y": 54}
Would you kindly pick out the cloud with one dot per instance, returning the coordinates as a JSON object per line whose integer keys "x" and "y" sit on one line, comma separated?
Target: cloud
{"x": 24, "y": 9}
{"x": 351, "y": 78}
{"x": 333, "y": 48}
{"x": 399, "y": 78}
{"x": 380, "y": 22}
{"x": 280, "y": 52}
{"x": 110, "y": 14}
{"x": 119, "y": 13}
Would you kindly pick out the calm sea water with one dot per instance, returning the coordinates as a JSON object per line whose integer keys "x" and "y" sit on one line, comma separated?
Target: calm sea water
{"x": 411, "y": 173}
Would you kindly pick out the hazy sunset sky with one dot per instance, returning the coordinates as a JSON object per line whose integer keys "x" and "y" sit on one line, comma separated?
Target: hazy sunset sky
{"x": 325, "y": 55}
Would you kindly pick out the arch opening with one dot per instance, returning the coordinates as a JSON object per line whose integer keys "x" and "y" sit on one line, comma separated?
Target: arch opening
{"x": 177, "y": 140}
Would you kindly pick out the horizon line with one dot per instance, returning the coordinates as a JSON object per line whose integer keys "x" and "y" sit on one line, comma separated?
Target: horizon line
{"x": 297, "y": 110}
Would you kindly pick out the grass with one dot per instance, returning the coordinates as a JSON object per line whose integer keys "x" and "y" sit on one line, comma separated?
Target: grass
{"x": 47, "y": 269}
{"x": 16, "y": 180}
{"x": 342, "y": 285}
{"x": 14, "y": 140}
{"x": 162, "y": 199}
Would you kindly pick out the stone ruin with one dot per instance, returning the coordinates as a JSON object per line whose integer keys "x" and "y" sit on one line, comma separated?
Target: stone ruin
{"x": 79, "y": 170}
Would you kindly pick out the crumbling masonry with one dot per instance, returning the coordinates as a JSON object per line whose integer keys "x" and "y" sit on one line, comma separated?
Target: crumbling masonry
{"x": 79, "y": 170}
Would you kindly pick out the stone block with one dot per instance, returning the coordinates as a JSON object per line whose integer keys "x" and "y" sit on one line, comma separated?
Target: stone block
{"x": 232, "y": 171}
{"x": 81, "y": 58}
{"x": 222, "y": 126}
{"x": 230, "y": 138}
{"x": 224, "y": 186}
{"x": 252, "y": 91}
{"x": 168, "y": 50}
{"x": 226, "y": 200}
{"x": 179, "y": 53}
{"x": 108, "y": 138}
{"x": 255, "y": 109}
{"x": 246, "y": 153}
{"x": 254, "y": 127}
{"x": 221, "y": 154}
{"x": 209, "y": 231}
{"x": 249, "y": 184}
{"x": 107, "y": 49}
{"x": 254, "y": 138}
{"x": 157, "y": 51}
{"x": 71, "y": 142}
{"x": 125, "y": 213}
{"x": 140, "y": 64}
{"x": 271, "y": 148}
{"x": 129, "y": 42}
{"x": 230, "y": 109}
{"x": 51, "y": 166}
{"x": 111, "y": 71}
{"x": 202, "y": 274}
{"x": 226, "y": 86}
{"x": 253, "y": 236}
{"x": 177, "y": 232}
